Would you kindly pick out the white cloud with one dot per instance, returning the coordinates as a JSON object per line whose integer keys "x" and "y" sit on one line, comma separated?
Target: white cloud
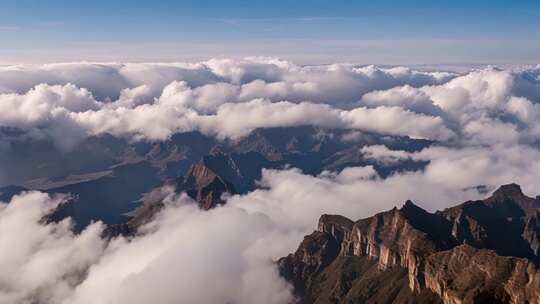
{"x": 487, "y": 122}
{"x": 384, "y": 155}
{"x": 237, "y": 119}
{"x": 228, "y": 98}
{"x": 192, "y": 256}
{"x": 397, "y": 121}
{"x": 41, "y": 262}
{"x": 186, "y": 256}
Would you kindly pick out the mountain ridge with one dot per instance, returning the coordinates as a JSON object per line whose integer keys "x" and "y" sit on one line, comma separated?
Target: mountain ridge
{"x": 434, "y": 249}
{"x": 110, "y": 177}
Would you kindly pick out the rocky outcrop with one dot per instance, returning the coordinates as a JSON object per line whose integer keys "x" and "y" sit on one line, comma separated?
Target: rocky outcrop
{"x": 320, "y": 274}
{"x": 507, "y": 217}
{"x": 482, "y": 251}
{"x": 469, "y": 275}
{"x": 315, "y": 253}
{"x": 208, "y": 180}
{"x": 389, "y": 238}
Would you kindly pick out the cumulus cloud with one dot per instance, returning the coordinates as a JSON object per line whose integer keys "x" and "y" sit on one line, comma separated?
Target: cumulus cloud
{"x": 382, "y": 154}
{"x": 397, "y": 121}
{"x": 107, "y": 80}
{"x": 184, "y": 256}
{"x": 229, "y": 98}
{"x": 104, "y": 80}
{"x": 41, "y": 263}
{"x": 191, "y": 256}
{"x": 126, "y": 99}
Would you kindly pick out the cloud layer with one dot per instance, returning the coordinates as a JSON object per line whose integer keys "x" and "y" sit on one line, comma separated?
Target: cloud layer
{"x": 229, "y": 98}
{"x": 485, "y": 122}
{"x": 185, "y": 256}
{"x": 152, "y": 101}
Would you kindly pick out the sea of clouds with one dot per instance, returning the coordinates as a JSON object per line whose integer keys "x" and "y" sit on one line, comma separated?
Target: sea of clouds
{"x": 486, "y": 124}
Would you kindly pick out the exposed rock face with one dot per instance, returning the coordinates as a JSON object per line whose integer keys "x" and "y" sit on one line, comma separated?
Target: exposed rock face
{"x": 315, "y": 253}
{"x": 507, "y": 217}
{"x": 206, "y": 180}
{"x": 469, "y": 275}
{"x": 477, "y": 252}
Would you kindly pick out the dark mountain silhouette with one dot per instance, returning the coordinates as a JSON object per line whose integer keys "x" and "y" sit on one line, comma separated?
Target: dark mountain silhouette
{"x": 8, "y": 192}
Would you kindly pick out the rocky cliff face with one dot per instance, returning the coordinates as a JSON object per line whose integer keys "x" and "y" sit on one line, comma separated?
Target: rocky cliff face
{"x": 209, "y": 179}
{"x": 477, "y": 252}
{"x": 507, "y": 217}
{"x": 469, "y": 275}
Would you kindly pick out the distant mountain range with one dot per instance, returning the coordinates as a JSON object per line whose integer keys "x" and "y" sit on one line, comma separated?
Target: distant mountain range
{"x": 108, "y": 177}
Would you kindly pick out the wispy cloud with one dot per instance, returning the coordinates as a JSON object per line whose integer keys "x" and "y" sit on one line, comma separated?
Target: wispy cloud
{"x": 314, "y": 19}
{"x": 44, "y": 24}
{"x": 240, "y": 21}
{"x": 9, "y": 28}
{"x": 233, "y": 22}
{"x": 53, "y": 24}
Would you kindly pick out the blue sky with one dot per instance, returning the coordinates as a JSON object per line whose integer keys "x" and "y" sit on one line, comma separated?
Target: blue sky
{"x": 315, "y": 31}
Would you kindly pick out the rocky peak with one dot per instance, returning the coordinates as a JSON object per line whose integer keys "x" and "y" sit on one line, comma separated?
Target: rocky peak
{"x": 209, "y": 179}
{"x": 436, "y": 228}
{"x": 258, "y": 141}
{"x": 338, "y": 226}
{"x": 511, "y": 194}
{"x": 412, "y": 211}
{"x": 223, "y": 165}
{"x": 509, "y": 191}
{"x": 335, "y": 221}
{"x": 200, "y": 174}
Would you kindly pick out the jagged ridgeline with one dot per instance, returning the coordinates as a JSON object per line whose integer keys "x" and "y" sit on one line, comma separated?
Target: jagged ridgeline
{"x": 484, "y": 251}
{"x": 110, "y": 177}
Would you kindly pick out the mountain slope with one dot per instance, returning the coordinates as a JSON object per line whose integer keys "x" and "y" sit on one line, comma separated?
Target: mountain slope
{"x": 108, "y": 177}
{"x": 477, "y": 252}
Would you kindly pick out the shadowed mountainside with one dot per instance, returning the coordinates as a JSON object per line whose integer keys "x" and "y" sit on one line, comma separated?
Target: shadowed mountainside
{"x": 109, "y": 177}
